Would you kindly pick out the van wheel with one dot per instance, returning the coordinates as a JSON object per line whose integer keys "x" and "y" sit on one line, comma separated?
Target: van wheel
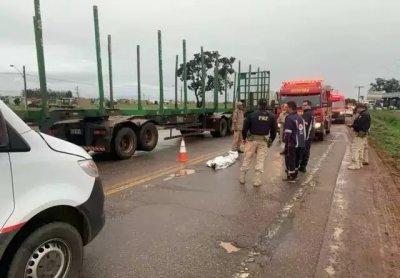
{"x": 222, "y": 129}
{"x": 125, "y": 143}
{"x": 53, "y": 250}
{"x": 148, "y": 137}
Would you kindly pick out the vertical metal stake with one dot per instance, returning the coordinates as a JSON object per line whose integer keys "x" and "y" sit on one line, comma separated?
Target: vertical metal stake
{"x": 184, "y": 77}
{"x": 138, "y": 77}
{"x": 203, "y": 77}
{"x": 176, "y": 82}
{"x": 161, "y": 110}
{"x": 216, "y": 83}
{"x": 226, "y": 91}
{"x": 110, "y": 73}
{"x": 234, "y": 90}
{"x": 98, "y": 54}
{"x": 37, "y": 22}
{"x": 238, "y": 85}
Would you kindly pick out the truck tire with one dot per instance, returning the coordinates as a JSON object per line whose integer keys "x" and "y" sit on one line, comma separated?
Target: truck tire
{"x": 229, "y": 126}
{"x": 322, "y": 135}
{"x": 55, "y": 249}
{"x": 125, "y": 143}
{"x": 148, "y": 137}
{"x": 222, "y": 129}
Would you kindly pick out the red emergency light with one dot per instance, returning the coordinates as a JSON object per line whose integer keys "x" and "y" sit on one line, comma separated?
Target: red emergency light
{"x": 311, "y": 82}
{"x": 302, "y": 86}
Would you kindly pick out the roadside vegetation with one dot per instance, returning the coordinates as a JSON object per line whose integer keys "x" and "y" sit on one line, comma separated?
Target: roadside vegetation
{"x": 385, "y": 132}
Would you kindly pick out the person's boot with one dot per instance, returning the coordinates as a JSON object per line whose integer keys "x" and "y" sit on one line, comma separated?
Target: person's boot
{"x": 354, "y": 167}
{"x": 257, "y": 180}
{"x": 242, "y": 178}
{"x": 302, "y": 169}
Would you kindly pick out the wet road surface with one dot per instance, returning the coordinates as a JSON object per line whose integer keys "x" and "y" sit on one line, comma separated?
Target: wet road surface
{"x": 164, "y": 224}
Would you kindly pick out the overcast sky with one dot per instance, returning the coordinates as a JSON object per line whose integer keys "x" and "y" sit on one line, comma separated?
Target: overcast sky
{"x": 345, "y": 42}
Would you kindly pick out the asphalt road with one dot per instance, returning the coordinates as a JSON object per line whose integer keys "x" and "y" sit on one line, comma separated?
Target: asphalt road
{"x": 163, "y": 221}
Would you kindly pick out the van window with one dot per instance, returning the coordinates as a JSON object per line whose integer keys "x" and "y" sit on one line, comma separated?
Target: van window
{"x": 3, "y": 132}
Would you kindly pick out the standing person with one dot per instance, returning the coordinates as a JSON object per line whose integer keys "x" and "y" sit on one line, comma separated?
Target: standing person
{"x": 361, "y": 125}
{"x": 308, "y": 117}
{"x": 237, "y": 127}
{"x": 281, "y": 122}
{"x": 294, "y": 141}
{"x": 257, "y": 126}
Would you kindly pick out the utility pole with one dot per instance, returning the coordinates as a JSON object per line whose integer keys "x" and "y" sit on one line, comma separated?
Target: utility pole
{"x": 23, "y": 73}
{"x": 359, "y": 90}
{"x": 25, "y": 102}
{"x": 77, "y": 92}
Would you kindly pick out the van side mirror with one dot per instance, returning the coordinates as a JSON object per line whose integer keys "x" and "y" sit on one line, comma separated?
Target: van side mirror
{"x": 3, "y": 132}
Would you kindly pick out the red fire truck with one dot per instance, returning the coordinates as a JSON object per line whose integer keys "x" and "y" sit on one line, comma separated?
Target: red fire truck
{"x": 338, "y": 107}
{"x": 319, "y": 95}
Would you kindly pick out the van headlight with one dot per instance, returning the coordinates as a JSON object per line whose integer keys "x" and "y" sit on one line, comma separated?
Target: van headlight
{"x": 89, "y": 167}
{"x": 317, "y": 125}
{"x": 342, "y": 112}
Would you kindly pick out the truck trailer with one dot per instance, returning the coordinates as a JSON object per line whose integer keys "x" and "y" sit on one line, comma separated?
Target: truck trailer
{"x": 123, "y": 131}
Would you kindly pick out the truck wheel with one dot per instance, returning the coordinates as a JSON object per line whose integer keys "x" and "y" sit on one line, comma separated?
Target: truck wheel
{"x": 148, "y": 137}
{"x": 53, "y": 250}
{"x": 222, "y": 129}
{"x": 125, "y": 143}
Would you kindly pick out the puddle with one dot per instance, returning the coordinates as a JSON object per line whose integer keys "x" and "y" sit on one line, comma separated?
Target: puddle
{"x": 229, "y": 247}
{"x": 184, "y": 172}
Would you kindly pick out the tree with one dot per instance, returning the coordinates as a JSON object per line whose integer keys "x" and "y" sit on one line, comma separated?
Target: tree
{"x": 17, "y": 101}
{"x": 195, "y": 78}
{"x": 68, "y": 94}
{"x": 381, "y": 84}
{"x": 36, "y": 93}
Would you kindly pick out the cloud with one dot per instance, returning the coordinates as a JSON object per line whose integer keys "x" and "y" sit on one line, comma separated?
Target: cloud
{"x": 345, "y": 42}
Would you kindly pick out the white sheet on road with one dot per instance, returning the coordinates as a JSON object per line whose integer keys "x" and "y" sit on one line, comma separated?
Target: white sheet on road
{"x": 222, "y": 162}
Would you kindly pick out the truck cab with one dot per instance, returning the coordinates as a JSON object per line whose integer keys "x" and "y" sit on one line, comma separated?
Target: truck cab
{"x": 338, "y": 107}
{"x": 319, "y": 95}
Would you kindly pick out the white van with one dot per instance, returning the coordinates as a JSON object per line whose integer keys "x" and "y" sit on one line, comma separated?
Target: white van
{"x": 51, "y": 202}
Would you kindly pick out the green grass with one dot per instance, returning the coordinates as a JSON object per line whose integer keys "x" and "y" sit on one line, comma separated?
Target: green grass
{"x": 385, "y": 131}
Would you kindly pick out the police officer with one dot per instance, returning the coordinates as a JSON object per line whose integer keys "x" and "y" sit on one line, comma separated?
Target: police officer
{"x": 308, "y": 117}
{"x": 361, "y": 126}
{"x": 294, "y": 141}
{"x": 237, "y": 126}
{"x": 257, "y": 126}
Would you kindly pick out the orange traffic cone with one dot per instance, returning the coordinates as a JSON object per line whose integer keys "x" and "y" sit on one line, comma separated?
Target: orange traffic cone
{"x": 183, "y": 157}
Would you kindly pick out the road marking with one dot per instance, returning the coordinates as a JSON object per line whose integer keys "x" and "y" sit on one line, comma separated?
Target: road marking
{"x": 157, "y": 174}
{"x": 337, "y": 215}
{"x": 288, "y": 207}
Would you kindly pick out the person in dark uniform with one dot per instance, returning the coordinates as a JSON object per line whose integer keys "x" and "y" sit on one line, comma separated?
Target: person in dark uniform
{"x": 359, "y": 147}
{"x": 294, "y": 141}
{"x": 257, "y": 126}
{"x": 308, "y": 117}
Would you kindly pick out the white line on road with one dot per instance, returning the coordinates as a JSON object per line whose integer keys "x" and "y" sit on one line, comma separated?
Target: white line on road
{"x": 338, "y": 214}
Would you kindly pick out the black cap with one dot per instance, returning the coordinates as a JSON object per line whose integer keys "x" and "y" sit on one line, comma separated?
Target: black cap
{"x": 262, "y": 102}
